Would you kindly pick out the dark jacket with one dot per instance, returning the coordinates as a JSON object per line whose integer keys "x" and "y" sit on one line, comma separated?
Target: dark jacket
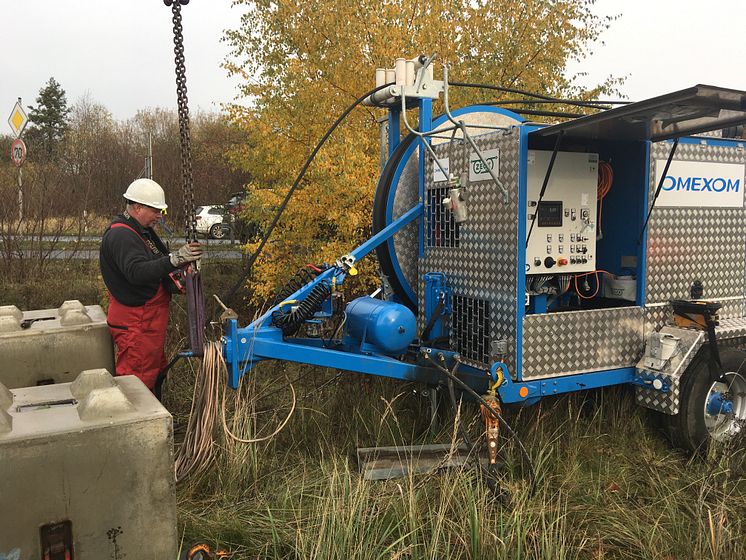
{"x": 133, "y": 269}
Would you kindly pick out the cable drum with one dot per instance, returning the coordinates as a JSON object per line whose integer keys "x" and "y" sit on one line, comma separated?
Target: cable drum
{"x": 398, "y": 191}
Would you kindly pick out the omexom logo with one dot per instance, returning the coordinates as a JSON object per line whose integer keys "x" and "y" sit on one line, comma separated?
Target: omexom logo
{"x": 701, "y": 184}
{"x": 698, "y": 184}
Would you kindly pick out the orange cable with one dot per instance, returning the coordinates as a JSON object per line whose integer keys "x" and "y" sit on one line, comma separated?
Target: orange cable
{"x": 577, "y": 289}
{"x": 605, "y": 181}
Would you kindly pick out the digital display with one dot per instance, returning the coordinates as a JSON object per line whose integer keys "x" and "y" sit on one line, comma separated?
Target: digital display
{"x": 549, "y": 214}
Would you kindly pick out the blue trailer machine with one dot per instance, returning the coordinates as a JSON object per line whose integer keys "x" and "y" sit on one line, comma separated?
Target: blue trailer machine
{"x": 530, "y": 260}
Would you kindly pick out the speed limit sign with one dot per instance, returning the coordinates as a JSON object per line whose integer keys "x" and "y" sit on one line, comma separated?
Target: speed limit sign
{"x": 18, "y": 152}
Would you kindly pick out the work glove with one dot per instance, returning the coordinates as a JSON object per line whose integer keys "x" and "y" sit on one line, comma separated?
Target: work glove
{"x": 189, "y": 252}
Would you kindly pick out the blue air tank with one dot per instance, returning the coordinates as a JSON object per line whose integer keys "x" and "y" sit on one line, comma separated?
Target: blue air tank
{"x": 386, "y": 326}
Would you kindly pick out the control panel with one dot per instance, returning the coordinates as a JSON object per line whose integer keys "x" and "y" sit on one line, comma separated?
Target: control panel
{"x": 563, "y": 239}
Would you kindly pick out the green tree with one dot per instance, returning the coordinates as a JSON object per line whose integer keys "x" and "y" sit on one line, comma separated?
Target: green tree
{"x": 49, "y": 118}
{"x": 304, "y": 61}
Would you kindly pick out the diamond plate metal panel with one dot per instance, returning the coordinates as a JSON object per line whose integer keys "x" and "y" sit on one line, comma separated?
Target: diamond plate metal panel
{"x": 484, "y": 265}
{"x": 406, "y": 241}
{"x": 685, "y": 244}
{"x": 667, "y": 403}
{"x": 730, "y": 333}
{"x": 581, "y": 341}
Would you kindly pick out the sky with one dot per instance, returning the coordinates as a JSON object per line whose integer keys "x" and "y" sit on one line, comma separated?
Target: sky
{"x": 121, "y": 52}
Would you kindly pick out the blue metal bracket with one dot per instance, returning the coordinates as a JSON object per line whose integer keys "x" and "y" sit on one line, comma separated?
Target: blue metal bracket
{"x": 437, "y": 289}
{"x": 394, "y": 129}
{"x": 529, "y": 392}
{"x": 650, "y": 381}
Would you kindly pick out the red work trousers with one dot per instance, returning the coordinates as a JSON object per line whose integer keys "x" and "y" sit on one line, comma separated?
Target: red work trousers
{"x": 139, "y": 334}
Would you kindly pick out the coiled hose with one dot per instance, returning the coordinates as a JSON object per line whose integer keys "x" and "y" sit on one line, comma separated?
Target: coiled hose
{"x": 296, "y": 282}
{"x": 291, "y": 321}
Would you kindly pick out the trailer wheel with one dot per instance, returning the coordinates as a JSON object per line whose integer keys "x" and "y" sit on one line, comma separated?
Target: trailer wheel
{"x": 710, "y": 411}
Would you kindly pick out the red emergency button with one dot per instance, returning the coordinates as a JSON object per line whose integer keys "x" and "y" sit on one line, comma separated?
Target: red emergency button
{"x": 561, "y": 262}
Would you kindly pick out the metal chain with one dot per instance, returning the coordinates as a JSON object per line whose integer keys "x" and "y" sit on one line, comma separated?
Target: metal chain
{"x": 194, "y": 296}
{"x": 186, "y": 145}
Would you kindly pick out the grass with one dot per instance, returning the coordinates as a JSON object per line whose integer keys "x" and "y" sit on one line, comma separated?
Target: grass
{"x": 609, "y": 486}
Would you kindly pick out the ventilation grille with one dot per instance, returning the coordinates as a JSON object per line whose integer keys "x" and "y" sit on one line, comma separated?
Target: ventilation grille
{"x": 470, "y": 328}
{"x": 442, "y": 230}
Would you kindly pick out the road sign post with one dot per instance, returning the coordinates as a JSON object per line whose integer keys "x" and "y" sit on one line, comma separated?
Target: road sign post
{"x": 18, "y": 121}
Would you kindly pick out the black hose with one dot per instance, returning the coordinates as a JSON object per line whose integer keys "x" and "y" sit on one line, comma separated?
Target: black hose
{"x": 242, "y": 280}
{"x": 437, "y": 312}
{"x": 296, "y": 282}
{"x": 158, "y": 387}
{"x": 290, "y": 322}
{"x": 538, "y": 113}
{"x": 589, "y": 104}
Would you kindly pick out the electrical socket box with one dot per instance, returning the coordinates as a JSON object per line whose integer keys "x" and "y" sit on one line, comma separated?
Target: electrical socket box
{"x": 563, "y": 238}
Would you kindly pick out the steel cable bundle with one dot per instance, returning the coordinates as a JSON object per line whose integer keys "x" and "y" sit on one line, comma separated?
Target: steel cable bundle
{"x": 198, "y": 449}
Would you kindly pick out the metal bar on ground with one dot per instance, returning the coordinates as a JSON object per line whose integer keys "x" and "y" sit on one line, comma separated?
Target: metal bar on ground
{"x": 383, "y": 463}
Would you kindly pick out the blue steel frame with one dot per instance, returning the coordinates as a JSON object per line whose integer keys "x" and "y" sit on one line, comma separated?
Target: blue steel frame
{"x": 244, "y": 347}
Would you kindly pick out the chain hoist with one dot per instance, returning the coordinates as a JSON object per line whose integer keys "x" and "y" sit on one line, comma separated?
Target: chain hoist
{"x": 194, "y": 295}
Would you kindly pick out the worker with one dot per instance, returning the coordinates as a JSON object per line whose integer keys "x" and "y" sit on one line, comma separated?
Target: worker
{"x": 140, "y": 275}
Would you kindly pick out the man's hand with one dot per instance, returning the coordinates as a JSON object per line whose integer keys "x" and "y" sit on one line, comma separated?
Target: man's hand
{"x": 189, "y": 252}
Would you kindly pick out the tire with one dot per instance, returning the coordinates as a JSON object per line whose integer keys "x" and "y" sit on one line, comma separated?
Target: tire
{"x": 217, "y": 231}
{"x": 695, "y": 427}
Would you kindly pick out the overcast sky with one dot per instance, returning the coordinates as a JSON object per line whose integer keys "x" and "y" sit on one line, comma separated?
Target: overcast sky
{"x": 121, "y": 52}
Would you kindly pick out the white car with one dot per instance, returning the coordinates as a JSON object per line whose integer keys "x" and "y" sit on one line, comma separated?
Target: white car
{"x": 210, "y": 221}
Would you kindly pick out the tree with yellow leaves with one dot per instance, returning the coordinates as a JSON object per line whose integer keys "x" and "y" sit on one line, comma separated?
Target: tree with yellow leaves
{"x": 305, "y": 61}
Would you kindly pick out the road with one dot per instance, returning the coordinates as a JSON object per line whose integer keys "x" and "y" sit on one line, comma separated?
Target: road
{"x": 91, "y": 254}
{"x": 87, "y": 253}
{"x": 97, "y": 238}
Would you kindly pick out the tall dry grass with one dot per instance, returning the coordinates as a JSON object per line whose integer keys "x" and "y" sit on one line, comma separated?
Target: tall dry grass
{"x": 609, "y": 485}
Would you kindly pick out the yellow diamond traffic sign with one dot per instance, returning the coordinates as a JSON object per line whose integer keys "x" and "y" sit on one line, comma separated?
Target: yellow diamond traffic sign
{"x": 17, "y": 119}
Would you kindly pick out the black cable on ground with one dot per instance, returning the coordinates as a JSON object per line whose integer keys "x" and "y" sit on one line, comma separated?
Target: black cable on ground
{"x": 496, "y": 415}
{"x": 231, "y": 294}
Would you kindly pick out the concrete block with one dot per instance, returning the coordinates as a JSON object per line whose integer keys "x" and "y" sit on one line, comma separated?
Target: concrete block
{"x": 70, "y": 304}
{"x": 11, "y": 311}
{"x": 55, "y": 346}
{"x": 89, "y": 380}
{"x": 9, "y": 324}
{"x": 6, "y": 397}
{"x": 98, "y": 472}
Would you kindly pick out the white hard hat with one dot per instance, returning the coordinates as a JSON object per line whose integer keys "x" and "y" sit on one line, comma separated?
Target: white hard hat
{"x": 147, "y": 192}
